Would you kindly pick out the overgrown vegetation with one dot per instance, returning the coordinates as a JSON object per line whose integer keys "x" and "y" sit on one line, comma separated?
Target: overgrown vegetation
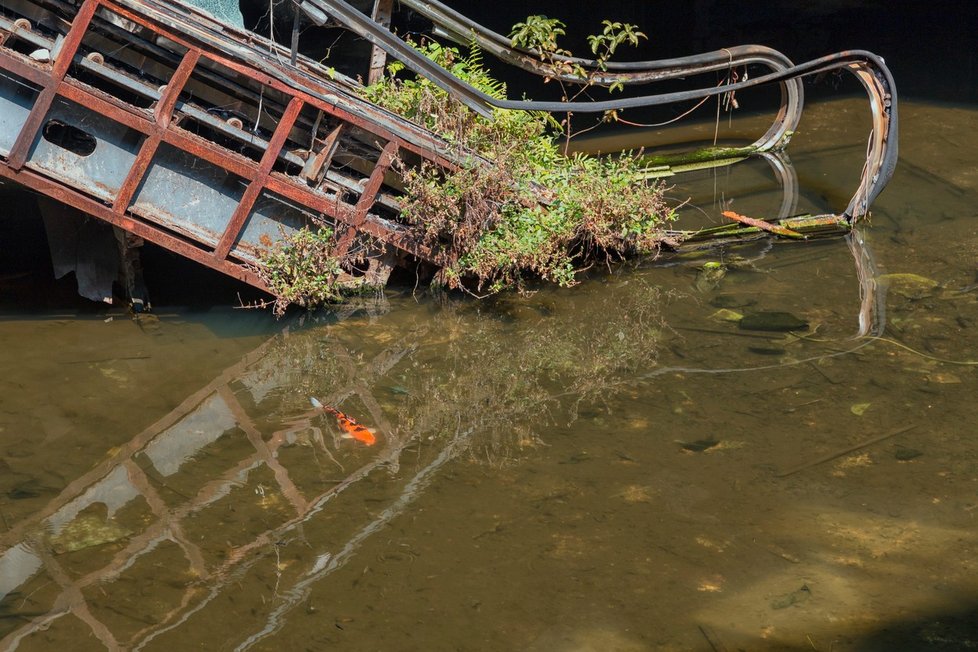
{"x": 539, "y": 35}
{"x": 301, "y": 269}
{"x": 524, "y": 209}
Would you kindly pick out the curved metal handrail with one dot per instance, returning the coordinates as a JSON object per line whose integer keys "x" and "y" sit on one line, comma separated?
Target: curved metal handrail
{"x": 866, "y": 66}
{"x": 464, "y": 30}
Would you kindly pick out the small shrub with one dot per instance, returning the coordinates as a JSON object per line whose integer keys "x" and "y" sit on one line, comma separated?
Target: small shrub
{"x": 302, "y": 269}
{"x": 523, "y": 209}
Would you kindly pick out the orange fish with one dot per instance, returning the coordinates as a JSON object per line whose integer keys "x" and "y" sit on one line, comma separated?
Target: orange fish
{"x": 351, "y": 429}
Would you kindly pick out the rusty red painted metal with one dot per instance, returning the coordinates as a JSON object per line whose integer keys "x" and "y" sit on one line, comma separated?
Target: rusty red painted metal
{"x": 208, "y": 141}
{"x": 258, "y": 183}
{"x": 64, "y": 55}
{"x": 175, "y": 127}
{"x": 162, "y": 114}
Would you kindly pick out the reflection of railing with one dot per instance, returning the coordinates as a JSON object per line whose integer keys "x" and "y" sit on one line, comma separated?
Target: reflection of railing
{"x": 196, "y": 510}
{"x": 141, "y": 476}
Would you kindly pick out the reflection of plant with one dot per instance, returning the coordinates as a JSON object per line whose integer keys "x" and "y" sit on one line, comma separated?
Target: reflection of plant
{"x": 505, "y": 374}
{"x": 302, "y": 269}
{"x": 533, "y": 211}
{"x": 510, "y": 382}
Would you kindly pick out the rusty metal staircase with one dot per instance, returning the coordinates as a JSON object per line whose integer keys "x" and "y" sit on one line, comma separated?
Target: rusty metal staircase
{"x": 215, "y": 143}
{"x": 174, "y": 128}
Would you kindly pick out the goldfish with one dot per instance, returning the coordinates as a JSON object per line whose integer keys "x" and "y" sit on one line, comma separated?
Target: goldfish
{"x": 351, "y": 429}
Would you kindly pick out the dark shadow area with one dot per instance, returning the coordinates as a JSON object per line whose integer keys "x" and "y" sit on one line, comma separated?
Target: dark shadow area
{"x": 27, "y": 278}
{"x": 930, "y": 47}
{"x": 947, "y": 632}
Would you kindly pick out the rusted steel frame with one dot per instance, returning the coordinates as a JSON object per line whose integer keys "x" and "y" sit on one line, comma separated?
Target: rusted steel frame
{"x": 189, "y": 110}
{"x": 104, "y": 104}
{"x": 136, "y": 226}
{"x": 113, "y": 109}
{"x": 241, "y": 166}
{"x": 236, "y": 164}
{"x": 63, "y": 59}
{"x": 15, "y": 66}
{"x": 152, "y": 94}
{"x": 278, "y": 85}
{"x": 368, "y": 196}
{"x": 135, "y": 119}
{"x": 247, "y": 201}
{"x": 330, "y": 206}
{"x": 162, "y": 114}
{"x": 375, "y": 227}
{"x": 108, "y": 106}
{"x": 378, "y": 58}
{"x": 309, "y": 76}
{"x": 373, "y": 184}
{"x": 188, "y": 41}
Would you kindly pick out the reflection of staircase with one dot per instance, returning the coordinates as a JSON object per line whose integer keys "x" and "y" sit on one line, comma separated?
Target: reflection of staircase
{"x": 205, "y": 493}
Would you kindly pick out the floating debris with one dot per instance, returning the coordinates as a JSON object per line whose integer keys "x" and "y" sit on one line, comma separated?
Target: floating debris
{"x": 859, "y": 409}
{"x": 725, "y": 314}
{"x": 762, "y": 225}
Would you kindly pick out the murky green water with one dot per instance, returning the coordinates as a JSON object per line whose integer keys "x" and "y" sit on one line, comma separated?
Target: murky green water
{"x": 612, "y": 467}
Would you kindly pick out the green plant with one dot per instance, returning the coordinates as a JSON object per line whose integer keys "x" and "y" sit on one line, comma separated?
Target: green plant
{"x": 539, "y": 35}
{"x": 301, "y": 269}
{"x": 522, "y": 208}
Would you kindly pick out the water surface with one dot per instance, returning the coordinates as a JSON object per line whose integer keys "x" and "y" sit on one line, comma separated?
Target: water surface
{"x": 610, "y": 467}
